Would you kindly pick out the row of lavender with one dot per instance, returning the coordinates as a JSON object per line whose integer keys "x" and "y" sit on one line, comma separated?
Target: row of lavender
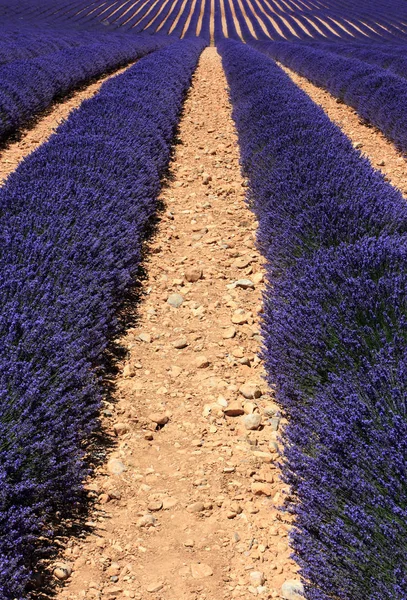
{"x": 378, "y": 96}
{"x": 335, "y": 329}
{"x": 29, "y": 86}
{"x": 30, "y": 39}
{"x": 387, "y": 56}
{"x": 260, "y": 19}
{"x": 72, "y": 221}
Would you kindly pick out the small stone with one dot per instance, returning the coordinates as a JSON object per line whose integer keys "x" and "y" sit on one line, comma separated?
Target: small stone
{"x": 381, "y": 163}
{"x": 250, "y": 391}
{"x": 196, "y": 507}
{"x": 175, "y": 300}
{"x": 169, "y": 503}
{"x": 274, "y": 423}
{"x": 234, "y": 409}
{"x": 112, "y": 592}
{"x": 270, "y": 410}
{"x": 200, "y": 570}
{"x": 63, "y": 572}
{"x": 242, "y": 262}
{"x": 229, "y": 333}
{"x": 292, "y": 589}
{"x": 147, "y": 521}
{"x": 252, "y": 422}
{"x": 249, "y": 408}
{"x": 229, "y": 469}
{"x": 261, "y": 489}
{"x": 189, "y": 543}
{"x": 245, "y": 284}
{"x": 358, "y": 145}
{"x": 238, "y": 352}
{"x": 115, "y": 466}
{"x": 120, "y": 429}
{"x": 154, "y": 587}
{"x": 202, "y": 362}
{"x": 257, "y": 578}
{"x": 180, "y": 343}
{"x": 193, "y": 274}
{"x": 113, "y": 569}
{"x": 159, "y": 418}
{"x": 206, "y": 178}
{"x": 265, "y": 457}
{"x": 257, "y": 278}
{"x": 145, "y": 337}
{"x": 155, "y": 505}
{"x": 239, "y": 317}
{"x": 129, "y": 371}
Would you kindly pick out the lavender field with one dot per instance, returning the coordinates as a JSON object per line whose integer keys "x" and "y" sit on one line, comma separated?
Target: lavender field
{"x": 320, "y": 402}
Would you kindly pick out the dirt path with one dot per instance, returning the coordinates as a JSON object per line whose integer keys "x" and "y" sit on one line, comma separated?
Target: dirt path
{"x": 379, "y": 150}
{"x": 187, "y": 508}
{"x": 31, "y": 137}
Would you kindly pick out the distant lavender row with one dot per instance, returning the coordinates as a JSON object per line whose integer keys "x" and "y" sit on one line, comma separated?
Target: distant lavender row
{"x": 29, "y": 86}
{"x": 335, "y": 331}
{"x": 25, "y": 41}
{"x": 72, "y": 221}
{"x": 378, "y": 96}
{"x": 387, "y": 56}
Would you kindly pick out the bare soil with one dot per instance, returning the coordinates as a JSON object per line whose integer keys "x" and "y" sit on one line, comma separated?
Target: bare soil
{"x": 188, "y": 508}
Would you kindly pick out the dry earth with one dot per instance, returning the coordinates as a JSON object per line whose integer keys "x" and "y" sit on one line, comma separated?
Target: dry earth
{"x": 187, "y": 503}
{"x": 381, "y": 152}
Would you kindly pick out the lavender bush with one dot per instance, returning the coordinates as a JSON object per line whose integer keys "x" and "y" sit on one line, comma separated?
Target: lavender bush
{"x": 335, "y": 331}
{"x": 29, "y": 86}
{"x": 378, "y": 96}
{"x": 72, "y": 220}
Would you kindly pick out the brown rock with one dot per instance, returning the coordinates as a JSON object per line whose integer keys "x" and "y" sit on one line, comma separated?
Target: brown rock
{"x": 147, "y": 521}
{"x": 155, "y": 505}
{"x": 63, "y": 571}
{"x": 239, "y": 317}
{"x": 242, "y": 262}
{"x": 145, "y": 337}
{"x": 261, "y": 489}
{"x": 196, "y": 507}
{"x": 265, "y": 457}
{"x": 250, "y": 391}
{"x": 201, "y": 570}
{"x": 180, "y": 343}
{"x": 229, "y": 333}
{"x": 202, "y": 362}
{"x": 115, "y": 466}
{"x": 154, "y": 587}
{"x": 129, "y": 371}
{"x": 234, "y": 409}
{"x": 159, "y": 418}
{"x": 120, "y": 429}
{"x": 193, "y": 274}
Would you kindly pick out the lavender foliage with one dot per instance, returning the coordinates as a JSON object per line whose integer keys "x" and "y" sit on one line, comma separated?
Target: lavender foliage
{"x": 335, "y": 331}
{"x": 378, "y": 96}
{"x": 29, "y": 86}
{"x": 72, "y": 220}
